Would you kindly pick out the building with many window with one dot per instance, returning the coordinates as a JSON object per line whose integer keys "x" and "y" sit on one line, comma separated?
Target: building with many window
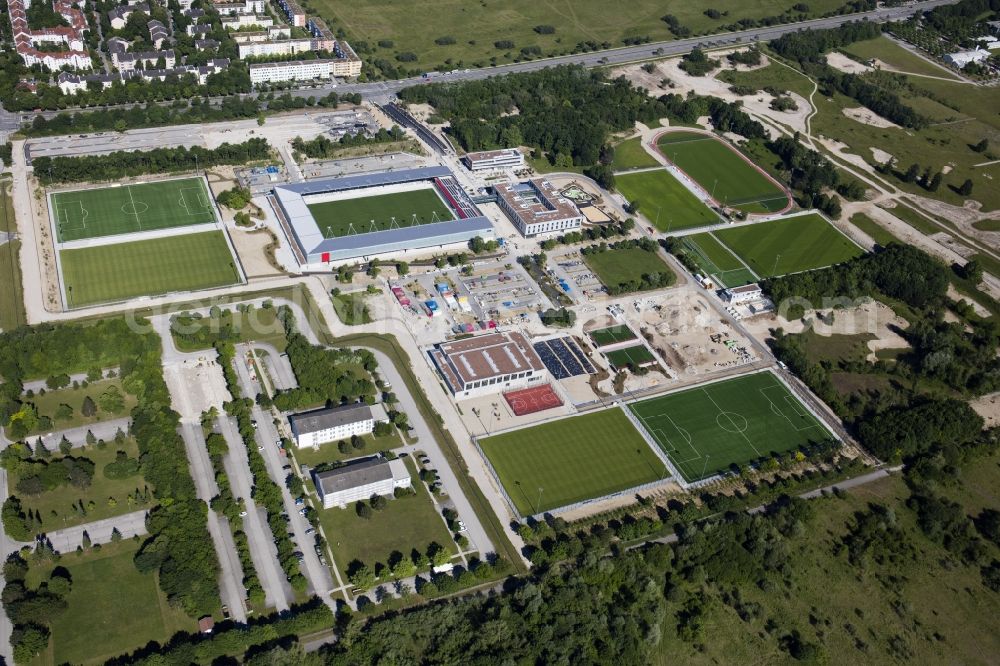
{"x": 745, "y": 294}
{"x": 361, "y": 479}
{"x": 507, "y": 158}
{"x": 486, "y": 364}
{"x": 536, "y": 207}
{"x": 333, "y": 424}
{"x": 275, "y": 47}
{"x": 292, "y": 70}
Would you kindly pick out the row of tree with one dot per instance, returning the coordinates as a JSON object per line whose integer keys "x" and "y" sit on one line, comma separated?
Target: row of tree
{"x": 322, "y": 147}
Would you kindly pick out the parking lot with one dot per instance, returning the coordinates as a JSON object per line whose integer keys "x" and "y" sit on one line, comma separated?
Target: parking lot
{"x": 570, "y": 267}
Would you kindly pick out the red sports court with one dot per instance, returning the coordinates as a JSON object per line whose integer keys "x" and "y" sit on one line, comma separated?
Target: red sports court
{"x": 531, "y": 400}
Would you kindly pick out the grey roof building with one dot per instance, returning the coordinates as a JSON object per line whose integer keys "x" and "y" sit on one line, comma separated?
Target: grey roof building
{"x": 360, "y": 480}
{"x": 335, "y": 423}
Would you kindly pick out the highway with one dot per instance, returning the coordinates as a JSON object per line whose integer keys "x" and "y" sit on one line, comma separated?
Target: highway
{"x": 384, "y": 91}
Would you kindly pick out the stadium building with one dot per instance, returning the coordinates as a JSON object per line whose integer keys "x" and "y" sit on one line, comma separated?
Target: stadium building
{"x": 428, "y": 209}
{"x": 536, "y": 207}
{"x": 487, "y": 364}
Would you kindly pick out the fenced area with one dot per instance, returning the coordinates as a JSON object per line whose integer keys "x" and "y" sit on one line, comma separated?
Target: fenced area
{"x": 532, "y": 400}
{"x": 707, "y": 429}
{"x": 124, "y": 209}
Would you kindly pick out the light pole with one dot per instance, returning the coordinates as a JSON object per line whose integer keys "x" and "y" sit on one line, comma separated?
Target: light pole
{"x": 538, "y": 507}
{"x": 704, "y": 467}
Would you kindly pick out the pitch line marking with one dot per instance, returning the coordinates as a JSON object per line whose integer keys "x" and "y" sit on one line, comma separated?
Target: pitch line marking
{"x": 709, "y": 396}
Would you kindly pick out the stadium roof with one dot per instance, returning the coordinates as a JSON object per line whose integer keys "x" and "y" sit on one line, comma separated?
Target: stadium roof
{"x": 365, "y": 180}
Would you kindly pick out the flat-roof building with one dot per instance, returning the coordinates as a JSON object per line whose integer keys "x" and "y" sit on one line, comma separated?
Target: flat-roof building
{"x": 335, "y": 423}
{"x": 744, "y": 294}
{"x": 963, "y": 58}
{"x": 536, "y": 207}
{"x": 294, "y": 70}
{"x": 360, "y": 480}
{"x": 506, "y": 158}
{"x": 486, "y": 364}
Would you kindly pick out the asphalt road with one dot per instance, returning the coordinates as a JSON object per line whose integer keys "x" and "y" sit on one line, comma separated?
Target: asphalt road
{"x": 383, "y": 91}
{"x": 129, "y": 525}
{"x": 277, "y": 365}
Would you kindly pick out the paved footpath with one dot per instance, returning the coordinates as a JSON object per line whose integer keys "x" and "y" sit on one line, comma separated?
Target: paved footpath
{"x": 129, "y": 525}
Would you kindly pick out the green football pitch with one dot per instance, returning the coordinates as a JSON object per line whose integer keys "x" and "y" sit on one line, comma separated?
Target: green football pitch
{"x": 365, "y": 214}
{"x": 109, "y": 211}
{"x": 636, "y": 355}
{"x": 570, "y": 460}
{"x": 664, "y": 200}
{"x": 717, "y": 261}
{"x": 148, "y": 267}
{"x": 789, "y": 244}
{"x": 706, "y": 429}
{"x": 722, "y": 172}
{"x": 603, "y": 337}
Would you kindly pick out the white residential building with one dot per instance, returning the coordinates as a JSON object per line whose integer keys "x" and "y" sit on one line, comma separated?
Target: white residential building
{"x": 294, "y": 70}
{"x": 335, "y": 423}
{"x": 745, "y": 294}
{"x": 272, "y": 48}
{"x": 237, "y": 21}
{"x": 360, "y": 480}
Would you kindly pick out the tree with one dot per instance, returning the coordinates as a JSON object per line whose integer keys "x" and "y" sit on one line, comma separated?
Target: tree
{"x": 65, "y": 446}
{"x": 966, "y": 188}
{"x": 911, "y": 174}
{"x": 362, "y": 577}
{"x": 378, "y": 502}
{"x": 29, "y": 640}
{"x": 402, "y": 268}
{"x": 112, "y": 400}
{"x": 88, "y": 408}
{"x": 40, "y": 450}
{"x": 982, "y": 146}
{"x": 116, "y": 536}
{"x": 85, "y": 540}
{"x": 935, "y": 182}
{"x": 363, "y": 510}
{"x": 64, "y": 412}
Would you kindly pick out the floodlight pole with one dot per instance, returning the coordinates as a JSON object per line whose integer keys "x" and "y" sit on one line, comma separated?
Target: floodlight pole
{"x": 704, "y": 467}
{"x": 539, "y": 505}
{"x": 776, "y": 260}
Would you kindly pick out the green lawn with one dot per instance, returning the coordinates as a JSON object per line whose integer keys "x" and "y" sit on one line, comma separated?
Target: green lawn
{"x": 475, "y": 28}
{"x": 878, "y": 233}
{"x": 611, "y": 335}
{"x": 113, "y": 609}
{"x": 987, "y": 225}
{"x": 48, "y": 403}
{"x": 329, "y": 452}
{"x": 571, "y": 460}
{"x": 706, "y": 429}
{"x": 722, "y": 172}
{"x": 11, "y": 296}
{"x": 108, "y": 211}
{"x": 630, "y": 154}
{"x": 364, "y": 214}
{"x": 56, "y": 507}
{"x": 616, "y": 267}
{"x": 774, "y": 75}
{"x": 896, "y": 56}
{"x": 789, "y": 244}
{"x": 257, "y": 324}
{"x": 664, "y": 201}
{"x": 351, "y": 308}
{"x": 637, "y": 355}
{"x": 717, "y": 261}
{"x": 407, "y": 523}
{"x": 147, "y": 268}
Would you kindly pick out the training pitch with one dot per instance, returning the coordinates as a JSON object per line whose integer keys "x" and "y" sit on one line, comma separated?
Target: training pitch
{"x": 664, "y": 201}
{"x": 722, "y": 172}
{"x": 570, "y": 460}
{"x": 706, "y": 429}
{"x": 611, "y": 335}
{"x": 110, "y": 211}
{"x": 717, "y": 261}
{"x": 789, "y": 245}
{"x": 366, "y": 214}
{"x": 147, "y": 267}
{"x": 637, "y": 355}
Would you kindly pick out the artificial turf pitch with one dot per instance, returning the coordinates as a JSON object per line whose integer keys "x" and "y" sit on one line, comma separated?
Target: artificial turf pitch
{"x": 147, "y": 267}
{"x": 706, "y": 429}
{"x": 664, "y": 201}
{"x": 109, "y": 211}
{"x": 717, "y": 261}
{"x": 611, "y": 335}
{"x": 637, "y": 355}
{"x": 789, "y": 245}
{"x": 366, "y": 214}
{"x": 571, "y": 460}
{"x": 722, "y": 172}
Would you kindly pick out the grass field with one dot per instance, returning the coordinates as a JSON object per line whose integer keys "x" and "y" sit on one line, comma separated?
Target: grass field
{"x": 56, "y": 506}
{"x": 570, "y": 460}
{"x": 897, "y": 57}
{"x": 774, "y": 75}
{"x": 706, "y": 429}
{"x": 637, "y": 355}
{"x": 611, "y": 335}
{"x": 365, "y": 214}
{"x": 475, "y": 28}
{"x": 664, "y": 201}
{"x": 615, "y": 267}
{"x": 109, "y": 211}
{"x": 11, "y": 298}
{"x": 147, "y": 267}
{"x": 630, "y": 154}
{"x": 406, "y": 523}
{"x": 351, "y": 308}
{"x": 722, "y": 172}
{"x": 48, "y": 404}
{"x": 789, "y": 245}
{"x": 113, "y": 608}
{"x": 717, "y": 261}
{"x": 328, "y": 452}
{"x": 878, "y": 233}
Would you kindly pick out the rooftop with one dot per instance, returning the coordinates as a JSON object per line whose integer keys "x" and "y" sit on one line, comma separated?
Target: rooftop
{"x": 359, "y": 473}
{"x": 330, "y": 417}
{"x": 536, "y": 201}
{"x": 486, "y": 356}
